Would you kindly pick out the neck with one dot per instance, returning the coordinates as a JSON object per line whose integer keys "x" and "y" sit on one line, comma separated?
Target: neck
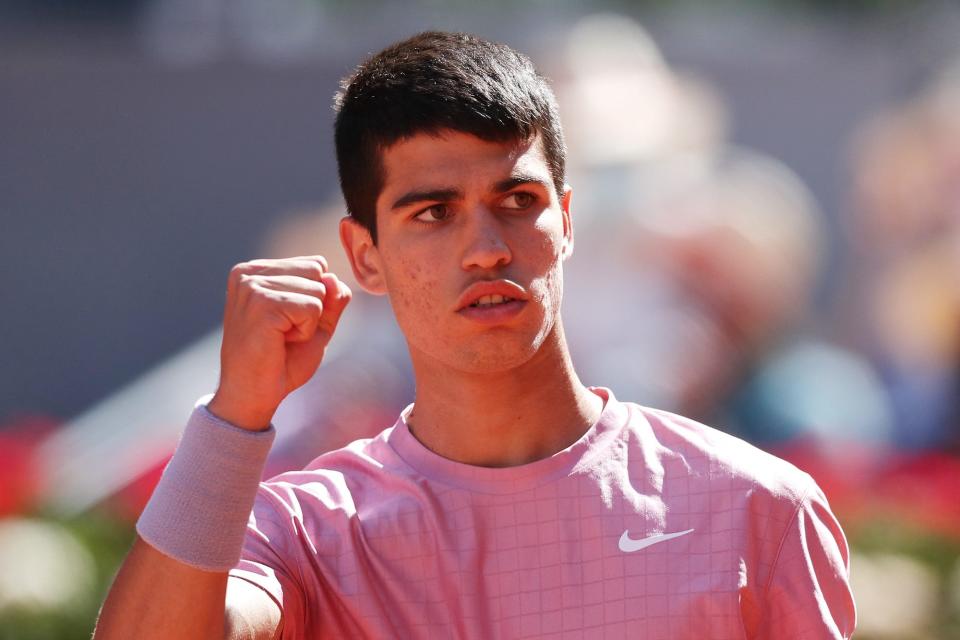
{"x": 505, "y": 418}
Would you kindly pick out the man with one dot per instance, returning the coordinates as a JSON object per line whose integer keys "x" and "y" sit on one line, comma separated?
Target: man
{"x": 509, "y": 500}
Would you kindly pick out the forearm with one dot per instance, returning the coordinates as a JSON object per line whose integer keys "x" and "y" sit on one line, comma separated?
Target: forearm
{"x": 155, "y": 596}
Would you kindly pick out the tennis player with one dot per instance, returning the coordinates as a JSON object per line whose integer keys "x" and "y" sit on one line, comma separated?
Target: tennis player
{"x": 509, "y": 500}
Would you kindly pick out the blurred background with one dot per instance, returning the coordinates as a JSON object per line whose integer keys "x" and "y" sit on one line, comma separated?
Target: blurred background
{"x": 767, "y": 209}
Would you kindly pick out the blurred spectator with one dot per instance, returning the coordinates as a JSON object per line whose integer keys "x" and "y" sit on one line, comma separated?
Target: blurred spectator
{"x": 900, "y": 302}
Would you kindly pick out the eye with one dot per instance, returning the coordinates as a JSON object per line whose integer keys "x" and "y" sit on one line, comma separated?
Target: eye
{"x": 433, "y": 214}
{"x": 518, "y": 200}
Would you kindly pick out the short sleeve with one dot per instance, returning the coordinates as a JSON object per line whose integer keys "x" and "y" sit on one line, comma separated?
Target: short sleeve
{"x": 268, "y": 558}
{"x": 808, "y": 594}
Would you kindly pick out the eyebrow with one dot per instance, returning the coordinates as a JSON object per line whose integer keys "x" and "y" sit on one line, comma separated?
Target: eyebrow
{"x": 517, "y": 179}
{"x": 446, "y": 195}
{"x": 430, "y": 195}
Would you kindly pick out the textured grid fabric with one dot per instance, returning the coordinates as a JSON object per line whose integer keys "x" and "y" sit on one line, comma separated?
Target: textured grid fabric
{"x": 384, "y": 539}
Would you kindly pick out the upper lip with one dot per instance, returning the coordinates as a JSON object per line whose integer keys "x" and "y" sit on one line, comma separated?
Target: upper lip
{"x": 477, "y": 290}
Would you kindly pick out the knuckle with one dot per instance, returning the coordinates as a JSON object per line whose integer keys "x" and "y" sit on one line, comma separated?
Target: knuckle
{"x": 264, "y": 297}
{"x": 246, "y": 281}
{"x": 310, "y": 303}
{"x": 237, "y": 272}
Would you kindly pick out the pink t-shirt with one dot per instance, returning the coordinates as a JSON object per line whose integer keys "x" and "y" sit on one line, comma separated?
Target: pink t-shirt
{"x": 649, "y": 526}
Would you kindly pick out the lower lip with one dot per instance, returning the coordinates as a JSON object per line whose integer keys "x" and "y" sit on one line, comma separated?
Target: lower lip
{"x": 494, "y": 314}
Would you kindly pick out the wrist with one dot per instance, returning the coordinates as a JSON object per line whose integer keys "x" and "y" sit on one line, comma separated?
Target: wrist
{"x": 199, "y": 510}
{"x": 240, "y": 415}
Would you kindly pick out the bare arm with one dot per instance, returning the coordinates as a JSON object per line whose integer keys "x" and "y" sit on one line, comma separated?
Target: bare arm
{"x": 279, "y": 318}
{"x": 155, "y": 596}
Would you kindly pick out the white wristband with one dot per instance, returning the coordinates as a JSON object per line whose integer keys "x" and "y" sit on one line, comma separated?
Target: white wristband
{"x": 199, "y": 511}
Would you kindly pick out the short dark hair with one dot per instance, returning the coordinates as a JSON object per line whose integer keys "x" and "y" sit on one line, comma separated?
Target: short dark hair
{"x": 431, "y": 82}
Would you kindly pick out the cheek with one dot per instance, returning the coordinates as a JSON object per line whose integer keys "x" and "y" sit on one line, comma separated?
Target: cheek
{"x": 550, "y": 234}
{"x": 410, "y": 284}
{"x": 548, "y": 250}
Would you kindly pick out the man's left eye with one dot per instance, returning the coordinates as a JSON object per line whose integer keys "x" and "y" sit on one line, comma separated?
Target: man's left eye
{"x": 519, "y": 200}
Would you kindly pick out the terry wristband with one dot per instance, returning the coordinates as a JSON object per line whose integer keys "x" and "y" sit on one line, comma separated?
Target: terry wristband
{"x": 199, "y": 511}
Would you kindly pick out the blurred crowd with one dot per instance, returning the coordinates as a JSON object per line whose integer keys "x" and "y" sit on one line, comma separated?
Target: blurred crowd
{"x": 705, "y": 281}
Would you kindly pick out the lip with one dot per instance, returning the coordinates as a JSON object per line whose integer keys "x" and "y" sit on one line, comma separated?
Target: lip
{"x": 495, "y": 314}
{"x": 504, "y": 288}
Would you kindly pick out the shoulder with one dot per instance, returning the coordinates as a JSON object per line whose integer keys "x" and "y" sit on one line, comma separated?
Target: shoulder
{"x": 339, "y": 484}
{"x": 711, "y": 455}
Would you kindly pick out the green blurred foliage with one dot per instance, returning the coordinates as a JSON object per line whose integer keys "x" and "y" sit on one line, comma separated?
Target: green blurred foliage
{"x": 108, "y": 540}
{"x": 941, "y": 554}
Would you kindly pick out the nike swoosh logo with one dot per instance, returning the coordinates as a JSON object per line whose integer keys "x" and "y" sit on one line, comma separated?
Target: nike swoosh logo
{"x": 628, "y": 545}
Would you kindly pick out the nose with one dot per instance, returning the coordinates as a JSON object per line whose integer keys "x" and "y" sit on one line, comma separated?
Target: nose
{"x": 485, "y": 246}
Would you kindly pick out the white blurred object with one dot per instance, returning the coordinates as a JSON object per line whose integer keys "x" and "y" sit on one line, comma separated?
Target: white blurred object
{"x": 42, "y": 567}
{"x": 624, "y": 104}
{"x": 136, "y": 427}
{"x": 896, "y": 595}
{"x": 609, "y": 39}
{"x": 738, "y": 228}
{"x": 128, "y": 432}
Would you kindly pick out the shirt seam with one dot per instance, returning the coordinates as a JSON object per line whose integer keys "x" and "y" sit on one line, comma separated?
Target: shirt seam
{"x": 786, "y": 532}
{"x": 280, "y": 509}
{"x": 509, "y": 486}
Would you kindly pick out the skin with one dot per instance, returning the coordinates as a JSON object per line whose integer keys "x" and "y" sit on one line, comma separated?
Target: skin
{"x": 508, "y": 386}
{"x": 510, "y": 389}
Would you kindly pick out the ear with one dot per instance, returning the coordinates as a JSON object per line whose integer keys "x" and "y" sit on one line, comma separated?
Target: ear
{"x": 363, "y": 255}
{"x": 567, "y": 247}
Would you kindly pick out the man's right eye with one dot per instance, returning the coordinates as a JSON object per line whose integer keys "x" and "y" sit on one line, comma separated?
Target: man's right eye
{"x": 433, "y": 214}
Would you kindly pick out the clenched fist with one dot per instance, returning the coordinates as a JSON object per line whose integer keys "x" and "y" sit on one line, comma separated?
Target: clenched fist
{"x": 278, "y": 320}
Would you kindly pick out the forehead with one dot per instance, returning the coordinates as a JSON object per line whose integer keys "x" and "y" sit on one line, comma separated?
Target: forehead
{"x": 456, "y": 159}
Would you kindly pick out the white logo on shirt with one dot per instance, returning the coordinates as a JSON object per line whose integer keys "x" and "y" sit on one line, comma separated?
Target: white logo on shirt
{"x": 627, "y": 545}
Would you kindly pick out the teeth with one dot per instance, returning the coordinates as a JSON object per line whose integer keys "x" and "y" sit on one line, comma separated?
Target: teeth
{"x": 487, "y": 301}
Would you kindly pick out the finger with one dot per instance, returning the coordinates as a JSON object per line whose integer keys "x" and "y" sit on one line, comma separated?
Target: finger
{"x": 336, "y": 300}
{"x": 312, "y": 267}
{"x": 317, "y": 258}
{"x": 279, "y": 261}
{"x": 338, "y": 296}
{"x": 295, "y": 284}
{"x": 297, "y": 315}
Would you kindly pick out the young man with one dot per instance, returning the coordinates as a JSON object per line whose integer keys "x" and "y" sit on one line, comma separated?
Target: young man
{"x": 509, "y": 500}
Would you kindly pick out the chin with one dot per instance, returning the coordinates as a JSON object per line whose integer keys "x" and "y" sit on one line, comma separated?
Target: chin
{"x": 495, "y": 352}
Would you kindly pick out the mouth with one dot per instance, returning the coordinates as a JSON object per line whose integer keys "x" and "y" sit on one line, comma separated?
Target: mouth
{"x": 492, "y": 302}
{"x": 484, "y": 302}
{"x": 485, "y": 294}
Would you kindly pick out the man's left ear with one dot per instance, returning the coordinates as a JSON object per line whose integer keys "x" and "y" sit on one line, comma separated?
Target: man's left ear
{"x": 567, "y": 248}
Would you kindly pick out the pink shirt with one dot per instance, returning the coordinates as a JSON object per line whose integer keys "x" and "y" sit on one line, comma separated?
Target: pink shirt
{"x": 649, "y": 526}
